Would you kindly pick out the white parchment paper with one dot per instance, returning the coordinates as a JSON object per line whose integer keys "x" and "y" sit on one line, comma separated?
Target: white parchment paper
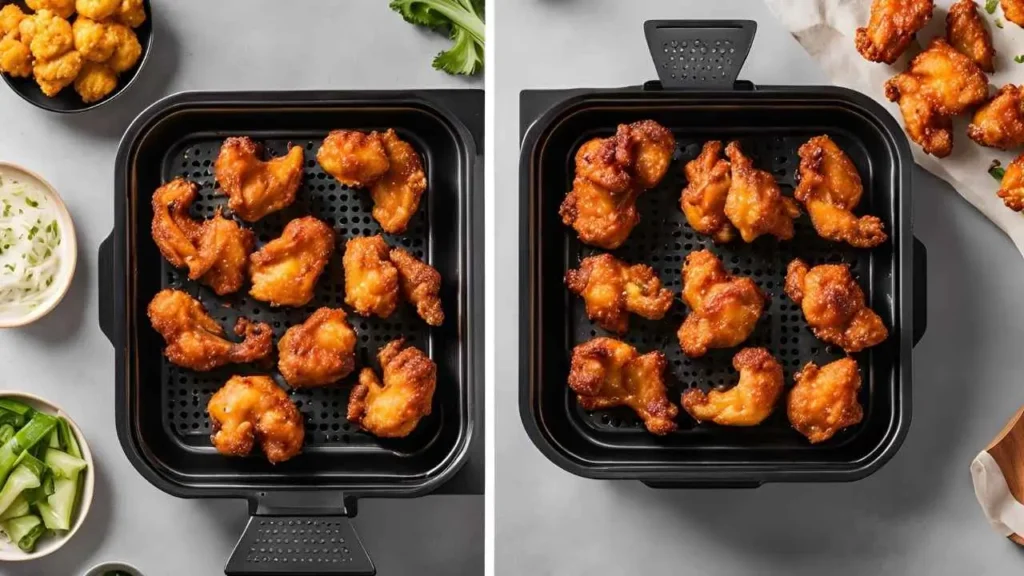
{"x": 826, "y": 30}
{"x": 1002, "y": 510}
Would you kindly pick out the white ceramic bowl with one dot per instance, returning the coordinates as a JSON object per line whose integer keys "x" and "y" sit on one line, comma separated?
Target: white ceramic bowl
{"x": 69, "y": 247}
{"x": 46, "y": 545}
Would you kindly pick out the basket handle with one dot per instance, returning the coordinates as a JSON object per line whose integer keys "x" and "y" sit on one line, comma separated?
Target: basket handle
{"x": 704, "y": 54}
{"x": 106, "y": 285}
{"x": 299, "y": 545}
{"x": 920, "y": 290}
{"x": 700, "y": 485}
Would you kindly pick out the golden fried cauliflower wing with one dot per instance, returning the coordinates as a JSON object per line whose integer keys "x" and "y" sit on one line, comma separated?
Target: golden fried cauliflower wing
{"x": 371, "y": 280}
{"x": 396, "y": 194}
{"x": 15, "y": 57}
{"x": 653, "y": 146}
{"x": 319, "y": 351}
{"x": 255, "y": 187}
{"x": 708, "y": 179}
{"x": 249, "y": 409}
{"x": 62, "y": 8}
{"x": 95, "y": 82}
{"x": 600, "y": 217}
{"x": 824, "y": 400}
{"x": 10, "y": 16}
{"x": 891, "y": 28}
{"x": 127, "y": 49}
{"x": 830, "y": 189}
{"x": 394, "y": 409}
{"x": 747, "y": 403}
{"x": 999, "y": 123}
{"x": 607, "y": 162}
{"x": 131, "y": 13}
{"x": 939, "y": 84}
{"x": 606, "y": 373}
{"x": 97, "y": 9}
{"x": 57, "y": 74}
{"x": 1013, "y": 10}
{"x": 966, "y": 32}
{"x": 421, "y": 285}
{"x": 724, "y": 309}
{"x": 1011, "y": 187}
{"x": 53, "y": 36}
{"x": 196, "y": 341}
{"x": 755, "y": 204}
{"x": 833, "y": 305}
{"x": 612, "y": 289}
{"x": 93, "y": 40}
{"x": 286, "y": 269}
{"x": 216, "y": 251}
{"x": 354, "y": 158}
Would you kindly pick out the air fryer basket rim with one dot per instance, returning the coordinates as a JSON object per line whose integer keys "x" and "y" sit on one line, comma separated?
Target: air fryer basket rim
{"x": 540, "y": 109}
{"x": 113, "y": 262}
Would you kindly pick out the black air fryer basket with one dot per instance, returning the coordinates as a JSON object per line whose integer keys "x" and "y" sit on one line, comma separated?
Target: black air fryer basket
{"x": 300, "y": 508}
{"x": 699, "y": 99}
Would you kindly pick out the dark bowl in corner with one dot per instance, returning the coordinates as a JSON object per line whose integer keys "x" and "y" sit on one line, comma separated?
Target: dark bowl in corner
{"x": 68, "y": 101}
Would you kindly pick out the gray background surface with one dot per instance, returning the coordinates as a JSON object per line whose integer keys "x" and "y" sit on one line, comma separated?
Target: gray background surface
{"x": 204, "y": 45}
{"x": 917, "y": 515}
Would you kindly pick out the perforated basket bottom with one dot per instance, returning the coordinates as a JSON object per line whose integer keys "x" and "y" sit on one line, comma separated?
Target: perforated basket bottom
{"x": 186, "y": 393}
{"x": 664, "y": 238}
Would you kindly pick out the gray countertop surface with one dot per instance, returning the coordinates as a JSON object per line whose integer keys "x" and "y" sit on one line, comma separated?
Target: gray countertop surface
{"x": 917, "y": 515}
{"x": 203, "y": 45}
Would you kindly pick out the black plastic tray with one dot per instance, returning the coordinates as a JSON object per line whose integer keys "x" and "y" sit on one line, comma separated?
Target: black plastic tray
{"x": 699, "y": 99}
{"x": 161, "y": 408}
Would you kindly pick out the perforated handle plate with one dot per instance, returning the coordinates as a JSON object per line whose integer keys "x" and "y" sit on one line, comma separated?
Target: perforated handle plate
{"x": 299, "y": 545}
{"x": 699, "y": 53}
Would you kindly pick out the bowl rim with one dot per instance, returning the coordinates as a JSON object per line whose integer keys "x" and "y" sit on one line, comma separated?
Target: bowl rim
{"x": 70, "y": 237}
{"x": 88, "y": 487}
{"x": 118, "y": 91}
{"x": 109, "y": 565}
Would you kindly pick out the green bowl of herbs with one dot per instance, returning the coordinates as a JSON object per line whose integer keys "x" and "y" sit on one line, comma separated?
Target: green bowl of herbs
{"x": 46, "y": 477}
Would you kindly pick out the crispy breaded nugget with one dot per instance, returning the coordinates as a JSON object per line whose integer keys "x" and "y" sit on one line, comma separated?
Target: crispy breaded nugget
{"x": 249, "y": 409}
{"x": 62, "y": 8}
{"x": 747, "y": 403}
{"x": 97, "y": 9}
{"x": 371, "y": 280}
{"x": 93, "y": 40}
{"x": 354, "y": 158}
{"x": 891, "y": 28}
{"x": 1013, "y": 10}
{"x": 824, "y": 400}
{"x": 966, "y": 32}
{"x": 57, "y": 74}
{"x": 95, "y": 82}
{"x": 53, "y": 36}
{"x": 319, "y": 351}
{"x": 999, "y": 123}
{"x": 127, "y": 49}
{"x": 131, "y": 13}
{"x": 256, "y": 187}
{"x": 396, "y": 194}
{"x": 724, "y": 309}
{"x": 755, "y": 204}
{"x": 421, "y": 285}
{"x": 15, "y": 57}
{"x": 10, "y": 17}
{"x": 708, "y": 178}
{"x": 285, "y": 270}
{"x": 396, "y": 408}
{"x": 612, "y": 289}
{"x": 1011, "y": 187}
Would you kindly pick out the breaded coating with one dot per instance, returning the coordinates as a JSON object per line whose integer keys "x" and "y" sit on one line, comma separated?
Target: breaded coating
{"x": 27, "y": 29}
{"x": 131, "y": 13}
{"x": 606, "y": 373}
{"x": 196, "y": 341}
{"x": 396, "y": 194}
{"x": 250, "y": 409}
{"x": 891, "y": 28}
{"x": 57, "y": 74}
{"x": 724, "y": 309}
{"x": 127, "y": 49}
{"x": 824, "y": 400}
{"x": 53, "y": 36}
{"x": 95, "y": 82}
{"x": 15, "y": 57}
{"x": 97, "y": 9}
{"x": 1011, "y": 187}
{"x": 747, "y": 403}
{"x": 284, "y": 272}
{"x": 966, "y": 32}
{"x": 319, "y": 351}
{"x": 371, "y": 280}
{"x": 833, "y": 305}
{"x": 10, "y": 16}
{"x": 830, "y": 189}
{"x": 62, "y": 8}
{"x": 612, "y": 289}
{"x": 354, "y": 158}
{"x": 421, "y": 285}
{"x": 755, "y": 204}
{"x": 93, "y": 40}
{"x": 255, "y": 187}
{"x": 610, "y": 174}
{"x": 999, "y": 123}
{"x": 708, "y": 178}
{"x": 1013, "y": 10}
{"x": 939, "y": 84}
{"x": 396, "y": 408}
{"x": 216, "y": 251}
